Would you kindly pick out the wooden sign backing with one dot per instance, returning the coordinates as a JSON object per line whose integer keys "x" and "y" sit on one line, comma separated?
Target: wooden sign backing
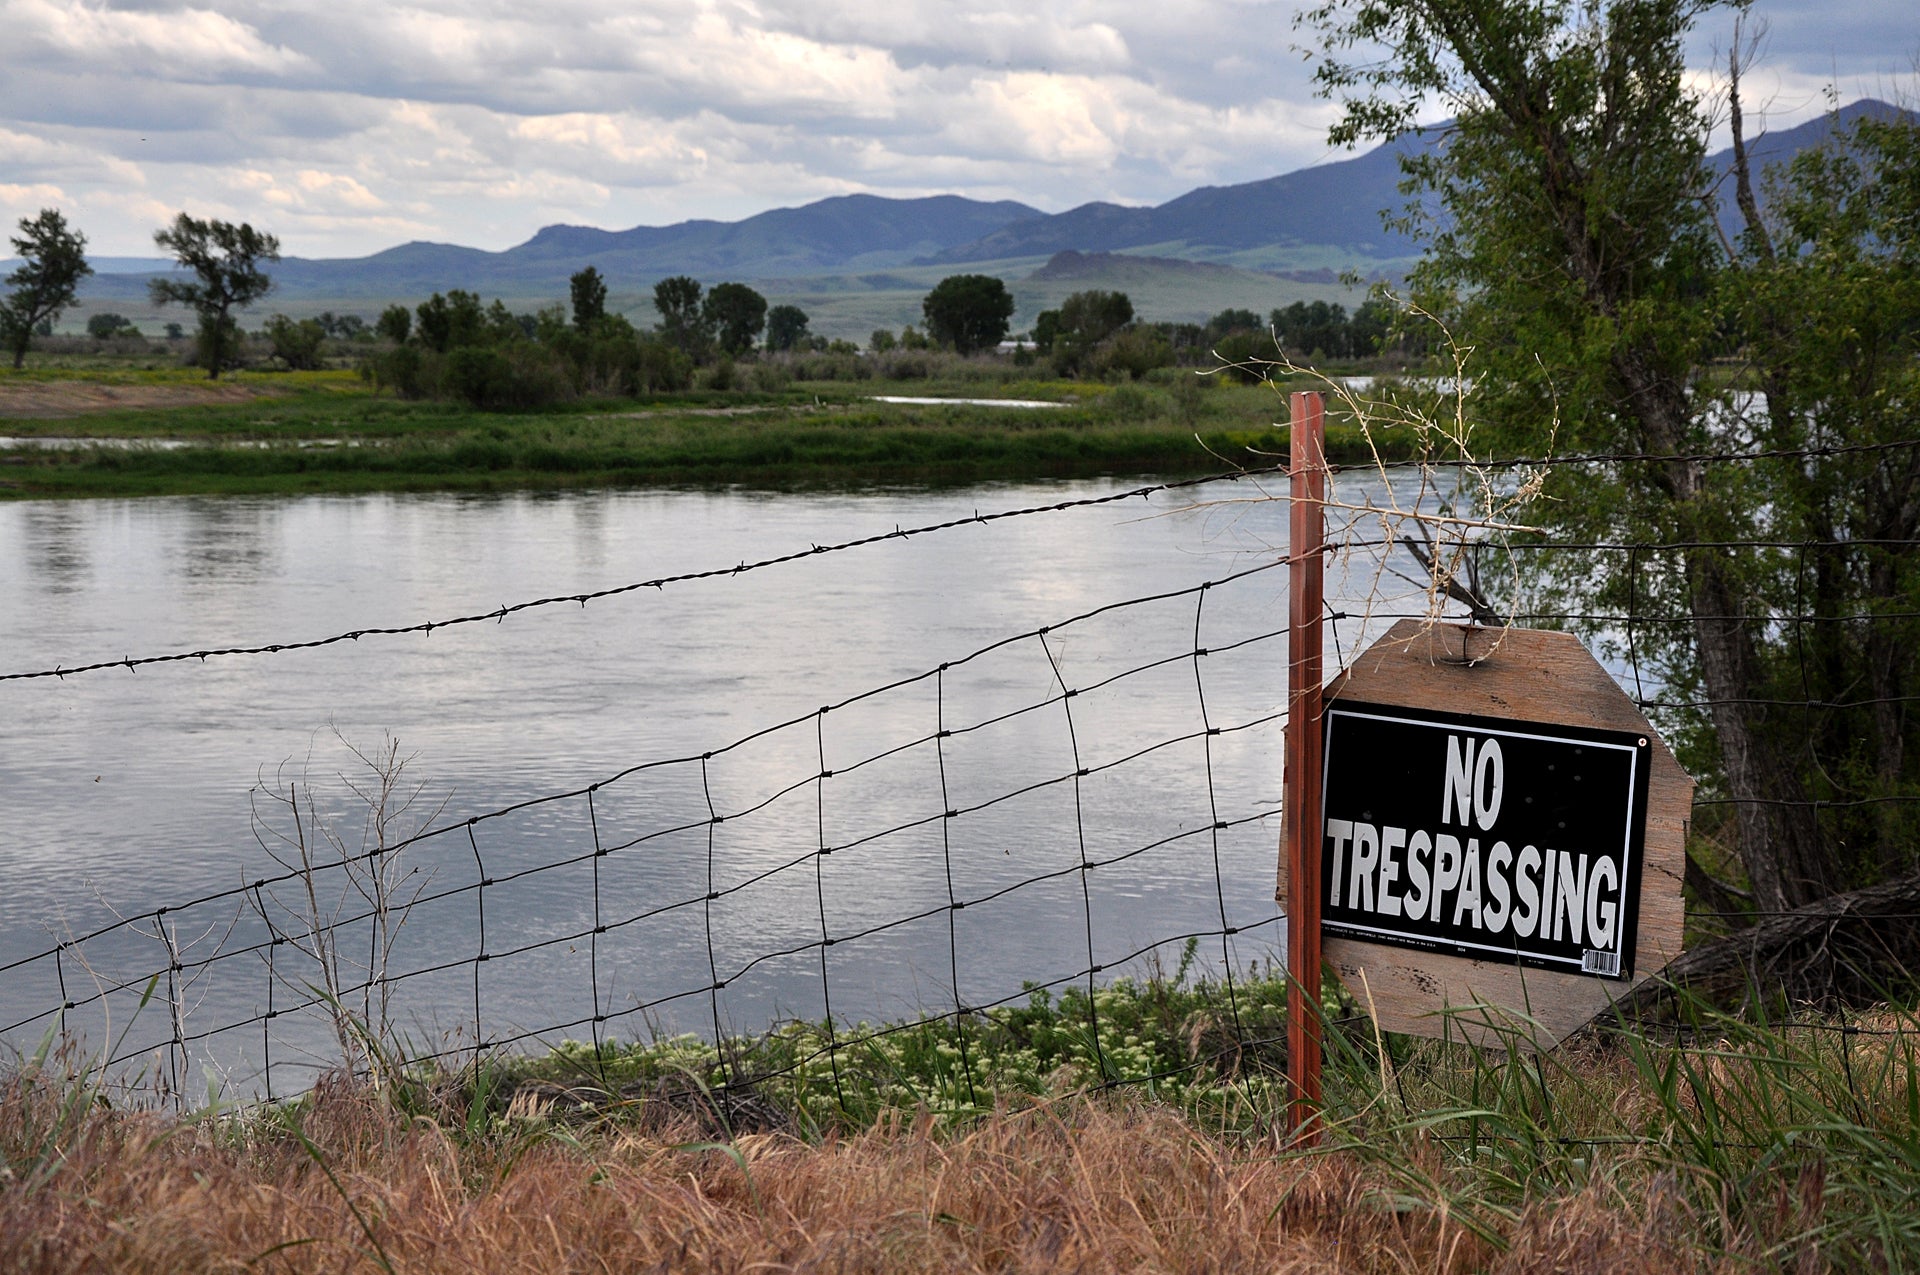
{"x": 1526, "y": 675}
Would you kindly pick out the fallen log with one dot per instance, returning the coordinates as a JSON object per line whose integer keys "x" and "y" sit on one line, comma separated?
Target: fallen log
{"x": 1854, "y": 948}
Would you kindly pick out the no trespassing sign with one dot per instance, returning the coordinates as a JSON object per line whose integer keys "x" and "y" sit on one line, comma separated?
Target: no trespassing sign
{"x": 1484, "y": 837}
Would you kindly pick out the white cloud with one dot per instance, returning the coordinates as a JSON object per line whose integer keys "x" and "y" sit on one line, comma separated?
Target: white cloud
{"x": 187, "y": 43}
{"x": 343, "y": 127}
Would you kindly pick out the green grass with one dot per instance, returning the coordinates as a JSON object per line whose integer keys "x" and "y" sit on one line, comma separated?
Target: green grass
{"x": 325, "y": 432}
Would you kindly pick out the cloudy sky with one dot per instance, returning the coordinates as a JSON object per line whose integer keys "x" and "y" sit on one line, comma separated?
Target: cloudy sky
{"x": 353, "y": 125}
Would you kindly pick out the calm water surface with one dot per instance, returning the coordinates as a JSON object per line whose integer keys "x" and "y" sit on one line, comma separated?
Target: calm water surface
{"x": 123, "y": 791}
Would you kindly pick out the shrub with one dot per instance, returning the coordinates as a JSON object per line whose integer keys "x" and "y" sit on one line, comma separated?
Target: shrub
{"x": 505, "y": 377}
{"x": 770, "y": 377}
{"x": 1248, "y": 356}
{"x": 297, "y": 345}
{"x": 400, "y": 370}
{"x": 1135, "y": 351}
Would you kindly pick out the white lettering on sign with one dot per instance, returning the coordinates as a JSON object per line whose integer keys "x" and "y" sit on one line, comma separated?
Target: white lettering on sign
{"x": 1474, "y": 783}
{"x": 1556, "y": 893}
{"x": 1547, "y": 878}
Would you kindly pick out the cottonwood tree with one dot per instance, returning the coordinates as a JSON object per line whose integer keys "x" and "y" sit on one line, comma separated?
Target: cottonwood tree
{"x": 1082, "y": 322}
{"x": 1571, "y": 242}
{"x": 968, "y": 311}
{"x": 588, "y": 292}
{"x": 682, "y": 322}
{"x": 736, "y": 314}
{"x": 786, "y": 327}
{"x": 225, "y": 261}
{"x": 47, "y": 281}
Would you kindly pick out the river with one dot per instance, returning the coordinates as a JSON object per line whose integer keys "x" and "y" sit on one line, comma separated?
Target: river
{"x": 125, "y": 791}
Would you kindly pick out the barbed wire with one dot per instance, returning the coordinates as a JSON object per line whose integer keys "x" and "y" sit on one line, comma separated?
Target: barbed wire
{"x": 60, "y": 671}
{"x": 500, "y": 613}
{"x": 261, "y": 935}
{"x": 253, "y": 933}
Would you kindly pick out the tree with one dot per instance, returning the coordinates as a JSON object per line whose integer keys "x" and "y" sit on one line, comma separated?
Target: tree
{"x": 786, "y": 327}
{"x": 1085, "y": 320}
{"x": 968, "y": 311}
{"x": 225, "y": 261}
{"x": 1571, "y": 243}
{"x": 296, "y": 344}
{"x": 1232, "y": 320}
{"x": 589, "y": 295}
{"x": 452, "y": 321}
{"x": 106, "y": 325}
{"x": 682, "y": 323}
{"x": 395, "y": 324}
{"x": 737, "y": 314}
{"x": 47, "y": 281}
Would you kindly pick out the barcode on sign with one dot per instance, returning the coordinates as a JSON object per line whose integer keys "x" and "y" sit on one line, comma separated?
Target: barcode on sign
{"x": 1592, "y": 962}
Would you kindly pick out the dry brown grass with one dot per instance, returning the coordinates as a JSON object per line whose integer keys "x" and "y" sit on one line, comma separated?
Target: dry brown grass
{"x": 1072, "y": 1185}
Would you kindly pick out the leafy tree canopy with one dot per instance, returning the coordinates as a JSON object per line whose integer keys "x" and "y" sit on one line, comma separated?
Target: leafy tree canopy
{"x": 47, "y": 281}
{"x": 736, "y": 313}
{"x": 968, "y": 311}
{"x": 682, "y": 322}
{"x": 589, "y": 296}
{"x": 786, "y": 327}
{"x": 224, "y": 259}
{"x": 106, "y": 325}
{"x": 1571, "y": 246}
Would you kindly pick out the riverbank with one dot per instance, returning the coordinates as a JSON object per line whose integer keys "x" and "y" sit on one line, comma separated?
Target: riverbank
{"x": 1756, "y": 1147}
{"x": 75, "y": 433}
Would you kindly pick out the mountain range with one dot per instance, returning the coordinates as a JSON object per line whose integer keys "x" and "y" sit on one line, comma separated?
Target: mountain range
{"x": 1297, "y": 232}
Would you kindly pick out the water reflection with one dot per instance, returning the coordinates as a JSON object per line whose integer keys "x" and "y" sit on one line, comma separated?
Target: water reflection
{"x": 120, "y": 793}
{"x": 54, "y": 537}
{"x": 228, "y": 542}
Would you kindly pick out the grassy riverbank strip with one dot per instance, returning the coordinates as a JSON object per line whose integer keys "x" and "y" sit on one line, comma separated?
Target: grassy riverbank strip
{"x": 326, "y": 433}
{"x": 1735, "y": 1144}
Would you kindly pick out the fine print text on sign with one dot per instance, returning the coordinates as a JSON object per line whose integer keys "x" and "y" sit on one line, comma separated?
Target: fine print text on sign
{"x": 1484, "y": 837}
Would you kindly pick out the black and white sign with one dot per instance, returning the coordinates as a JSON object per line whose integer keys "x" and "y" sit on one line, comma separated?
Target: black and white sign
{"x": 1484, "y": 837}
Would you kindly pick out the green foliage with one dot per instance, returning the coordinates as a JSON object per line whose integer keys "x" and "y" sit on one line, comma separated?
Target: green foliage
{"x": 1191, "y": 1035}
{"x": 1084, "y": 321}
{"x": 786, "y": 328}
{"x": 968, "y": 312}
{"x": 1232, "y": 320}
{"x": 400, "y": 371}
{"x": 1571, "y": 245}
{"x": 452, "y": 321}
{"x": 1046, "y": 329}
{"x": 395, "y": 324}
{"x": 881, "y": 341}
{"x": 504, "y": 377}
{"x": 588, "y": 291}
{"x": 106, "y": 325}
{"x": 296, "y": 345}
{"x": 53, "y": 262}
{"x": 1247, "y": 357}
{"x": 342, "y": 327}
{"x": 736, "y": 314}
{"x": 683, "y": 323}
{"x": 1134, "y": 351}
{"x": 225, "y": 261}
{"x": 1315, "y": 331}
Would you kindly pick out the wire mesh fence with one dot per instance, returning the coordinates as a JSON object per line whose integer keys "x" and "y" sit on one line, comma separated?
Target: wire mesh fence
{"x": 1016, "y": 819}
{"x": 1090, "y": 800}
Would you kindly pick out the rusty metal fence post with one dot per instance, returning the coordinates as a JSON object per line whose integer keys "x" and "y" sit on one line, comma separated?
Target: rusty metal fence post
{"x": 1306, "y": 602}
